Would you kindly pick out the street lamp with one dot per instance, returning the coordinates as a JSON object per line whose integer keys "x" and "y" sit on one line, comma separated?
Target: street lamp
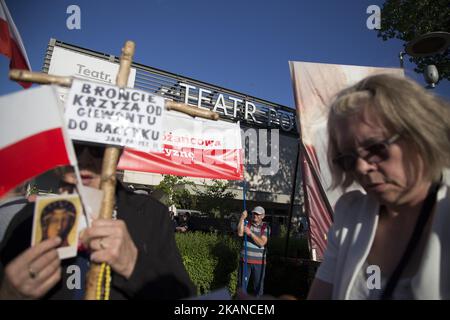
{"x": 427, "y": 45}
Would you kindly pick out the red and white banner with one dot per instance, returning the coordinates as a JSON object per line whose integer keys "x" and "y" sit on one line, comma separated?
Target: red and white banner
{"x": 11, "y": 44}
{"x": 192, "y": 147}
{"x": 32, "y": 136}
{"x": 315, "y": 86}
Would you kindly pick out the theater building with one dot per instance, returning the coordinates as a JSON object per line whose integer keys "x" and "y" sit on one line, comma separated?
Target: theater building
{"x": 269, "y": 130}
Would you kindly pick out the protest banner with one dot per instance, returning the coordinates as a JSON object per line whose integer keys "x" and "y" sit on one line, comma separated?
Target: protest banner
{"x": 194, "y": 148}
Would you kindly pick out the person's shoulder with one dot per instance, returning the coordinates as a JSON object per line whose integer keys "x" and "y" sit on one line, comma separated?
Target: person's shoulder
{"x": 349, "y": 205}
{"x": 19, "y": 200}
{"x": 17, "y": 237}
{"x": 265, "y": 228}
{"x": 350, "y": 198}
{"x": 151, "y": 201}
{"x": 157, "y": 205}
{"x": 134, "y": 207}
{"x": 23, "y": 214}
{"x": 144, "y": 200}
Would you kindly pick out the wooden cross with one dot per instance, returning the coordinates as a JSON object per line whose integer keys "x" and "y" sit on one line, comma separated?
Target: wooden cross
{"x": 111, "y": 157}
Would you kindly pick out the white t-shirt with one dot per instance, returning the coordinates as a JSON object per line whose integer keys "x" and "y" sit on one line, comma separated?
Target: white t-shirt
{"x": 361, "y": 289}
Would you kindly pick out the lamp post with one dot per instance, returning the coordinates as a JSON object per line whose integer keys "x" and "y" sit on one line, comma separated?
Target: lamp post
{"x": 427, "y": 45}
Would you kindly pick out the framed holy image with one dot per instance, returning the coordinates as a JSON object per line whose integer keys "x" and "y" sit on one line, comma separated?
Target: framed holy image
{"x": 58, "y": 215}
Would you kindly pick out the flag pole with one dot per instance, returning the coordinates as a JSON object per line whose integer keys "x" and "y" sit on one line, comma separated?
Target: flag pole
{"x": 244, "y": 191}
{"x": 291, "y": 205}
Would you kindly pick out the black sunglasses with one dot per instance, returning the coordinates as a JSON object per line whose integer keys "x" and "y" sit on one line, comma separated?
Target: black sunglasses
{"x": 375, "y": 153}
{"x": 95, "y": 151}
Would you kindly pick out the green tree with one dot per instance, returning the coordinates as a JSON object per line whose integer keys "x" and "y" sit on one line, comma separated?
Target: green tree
{"x": 215, "y": 199}
{"x": 174, "y": 187}
{"x": 408, "y": 19}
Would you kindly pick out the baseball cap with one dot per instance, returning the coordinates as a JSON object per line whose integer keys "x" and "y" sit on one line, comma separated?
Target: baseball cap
{"x": 258, "y": 210}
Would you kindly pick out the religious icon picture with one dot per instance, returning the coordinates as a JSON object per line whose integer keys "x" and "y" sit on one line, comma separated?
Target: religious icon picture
{"x": 58, "y": 216}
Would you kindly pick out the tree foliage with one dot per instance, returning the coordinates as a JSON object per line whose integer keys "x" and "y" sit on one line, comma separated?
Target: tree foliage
{"x": 215, "y": 199}
{"x": 177, "y": 194}
{"x": 408, "y": 19}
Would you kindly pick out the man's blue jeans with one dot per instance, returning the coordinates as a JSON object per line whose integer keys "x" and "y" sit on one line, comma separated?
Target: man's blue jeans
{"x": 258, "y": 271}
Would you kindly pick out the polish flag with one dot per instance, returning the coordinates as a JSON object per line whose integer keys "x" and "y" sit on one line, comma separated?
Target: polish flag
{"x": 11, "y": 44}
{"x": 33, "y": 137}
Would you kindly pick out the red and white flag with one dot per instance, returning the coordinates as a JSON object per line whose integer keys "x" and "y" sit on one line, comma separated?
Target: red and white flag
{"x": 33, "y": 138}
{"x": 192, "y": 148}
{"x": 11, "y": 44}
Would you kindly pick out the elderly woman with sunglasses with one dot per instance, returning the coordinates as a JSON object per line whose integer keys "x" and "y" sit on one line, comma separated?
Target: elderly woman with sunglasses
{"x": 392, "y": 241}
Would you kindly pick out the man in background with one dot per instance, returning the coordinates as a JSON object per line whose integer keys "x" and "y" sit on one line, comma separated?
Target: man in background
{"x": 253, "y": 255}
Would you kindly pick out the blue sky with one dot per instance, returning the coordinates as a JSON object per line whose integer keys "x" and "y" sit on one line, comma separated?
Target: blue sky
{"x": 243, "y": 45}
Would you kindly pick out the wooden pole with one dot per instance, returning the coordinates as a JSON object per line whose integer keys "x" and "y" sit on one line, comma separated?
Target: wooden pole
{"x": 43, "y": 78}
{"x": 109, "y": 167}
{"x": 192, "y": 111}
{"x": 39, "y": 77}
